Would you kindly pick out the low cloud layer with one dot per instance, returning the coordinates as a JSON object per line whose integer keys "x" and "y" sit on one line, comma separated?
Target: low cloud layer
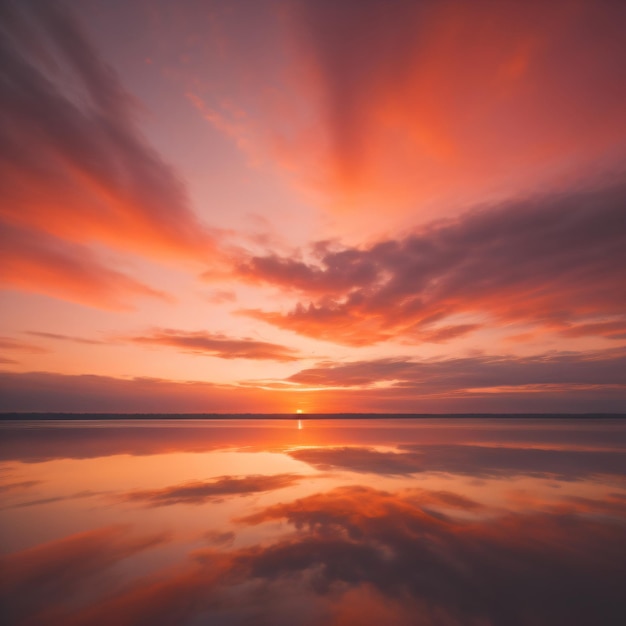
{"x": 577, "y": 382}
{"x": 48, "y": 392}
{"x": 604, "y": 367}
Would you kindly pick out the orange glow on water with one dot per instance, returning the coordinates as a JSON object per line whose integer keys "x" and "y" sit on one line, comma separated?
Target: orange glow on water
{"x": 174, "y": 506}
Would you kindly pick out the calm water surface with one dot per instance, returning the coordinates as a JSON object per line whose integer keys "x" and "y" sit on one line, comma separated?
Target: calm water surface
{"x": 417, "y": 522}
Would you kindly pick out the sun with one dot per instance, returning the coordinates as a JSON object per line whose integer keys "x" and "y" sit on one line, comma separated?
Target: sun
{"x": 299, "y": 411}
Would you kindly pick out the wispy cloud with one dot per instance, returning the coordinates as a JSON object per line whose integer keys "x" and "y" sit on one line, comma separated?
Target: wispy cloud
{"x": 36, "y": 261}
{"x": 457, "y": 100}
{"x": 10, "y": 344}
{"x": 18, "y": 486}
{"x": 75, "y": 167}
{"x": 217, "y": 345}
{"x": 62, "y": 337}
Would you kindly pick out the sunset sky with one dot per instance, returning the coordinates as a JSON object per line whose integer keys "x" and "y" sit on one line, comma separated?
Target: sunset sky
{"x": 316, "y": 205}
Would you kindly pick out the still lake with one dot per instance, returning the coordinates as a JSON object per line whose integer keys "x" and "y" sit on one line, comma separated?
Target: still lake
{"x": 425, "y": 522}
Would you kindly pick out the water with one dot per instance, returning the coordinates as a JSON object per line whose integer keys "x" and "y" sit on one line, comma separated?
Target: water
{"x": 473, "y": 522}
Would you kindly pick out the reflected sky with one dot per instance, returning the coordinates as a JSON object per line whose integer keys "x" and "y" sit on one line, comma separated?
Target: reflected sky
{"x": 423, "y": 522}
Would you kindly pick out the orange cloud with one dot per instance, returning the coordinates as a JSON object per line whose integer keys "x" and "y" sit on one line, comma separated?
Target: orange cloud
{"x": 423, "y": 103}
{"x": 31, "y": 260}
{"x": 75, "y": 164}
{"x": 394, "y": 113}
{"x": 76, "y": 170}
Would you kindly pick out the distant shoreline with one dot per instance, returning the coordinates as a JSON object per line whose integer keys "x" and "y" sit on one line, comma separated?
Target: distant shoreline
{"x": 41, "y": 416}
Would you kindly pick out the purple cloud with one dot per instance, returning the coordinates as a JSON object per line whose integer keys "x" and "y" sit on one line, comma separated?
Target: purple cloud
{"x": 217, "y": 345}
{"x": 555, "y": 262}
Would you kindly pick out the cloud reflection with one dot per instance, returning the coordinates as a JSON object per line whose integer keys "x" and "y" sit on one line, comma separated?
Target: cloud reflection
{"x": 474, "y": 460}
{"x": 373, "y": 545}
{"x": 199, "y": 492}
{"x": 515, "y": 569}
{"x": 355, "y": 541}
{"x": 35, "y": 579}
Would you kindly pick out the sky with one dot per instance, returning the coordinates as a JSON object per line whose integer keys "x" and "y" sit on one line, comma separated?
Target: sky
{"x": 309, "y": 205}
